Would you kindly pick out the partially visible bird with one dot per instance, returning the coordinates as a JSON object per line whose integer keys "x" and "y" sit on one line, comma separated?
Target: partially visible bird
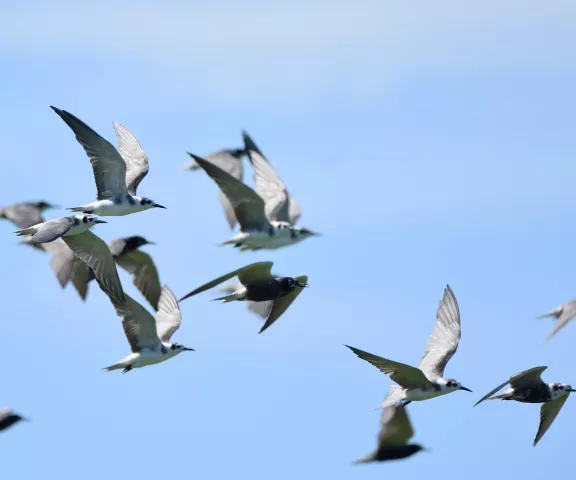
{"x": 563, "y": 314}
{"x": 266, "y": 216}
{"x": 137, "y": 263}
{"x": 229, "y": 160}
{"x": 528, "y": 387}
{"x": 26, "y": 214}
{"x": 395, "y": 431}
{"x": 9, "y": 418}
{"x": 60, "y": 227}
{"x": 117, "y": 172}
{"x": 427, "y": 380}
{"x": 148, "y": 338}
{"x": 259, "y": 285}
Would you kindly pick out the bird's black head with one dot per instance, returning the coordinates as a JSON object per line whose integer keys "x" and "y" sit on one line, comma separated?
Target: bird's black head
{"x": 450, "y": 382}
{"x": 288, "y": 284}
{"x": 237, "y": 152}
{"x": 180, "y": 348}
{"x": 136, "y": 241}
{"x": 42, "y": 205}
{"x": 149, "y": 203}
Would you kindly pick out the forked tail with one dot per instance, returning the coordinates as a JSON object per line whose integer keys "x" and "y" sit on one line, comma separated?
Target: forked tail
{"x": 231, "y": 298}
{"x": 26, "y": 231}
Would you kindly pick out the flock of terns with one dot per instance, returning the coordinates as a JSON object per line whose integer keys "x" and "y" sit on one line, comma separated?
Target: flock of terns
{"x": 267, "y": 217}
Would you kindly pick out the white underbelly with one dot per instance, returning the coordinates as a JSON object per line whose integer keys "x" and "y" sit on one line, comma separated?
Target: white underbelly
{"x": 417, "y": 394}
{"x": 107, "y": 208}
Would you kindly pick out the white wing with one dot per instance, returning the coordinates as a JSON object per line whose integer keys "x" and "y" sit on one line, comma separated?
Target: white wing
{"x": 135, "y": 158}
{"x": 443, "y": 340}
{"x": 168, "y": 316}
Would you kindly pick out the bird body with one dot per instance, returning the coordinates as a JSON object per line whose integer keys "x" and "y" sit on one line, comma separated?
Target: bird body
{"x": 61, "y": 227}
{"x": 148, "y": 356}
{"x": 117, "y": 207}
{"x": 563, "y": 314}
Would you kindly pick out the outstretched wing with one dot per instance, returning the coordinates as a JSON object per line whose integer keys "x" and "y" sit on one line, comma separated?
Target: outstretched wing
{"x": 396, "y": 427}
{"x": 443, "y": 340}
{"x": 135, "y": 158}
{"x": 144, "y": 274}
{"x": 402, "y": 374}
{"x": 548, "y": 413}
{"x": 107, "y": 163}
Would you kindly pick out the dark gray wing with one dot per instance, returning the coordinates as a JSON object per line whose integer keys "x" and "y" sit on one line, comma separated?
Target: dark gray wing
{"x": 61, "y": 260}
{"x": 268, "y": 183}
{"x": 144, "y": 274}
{"x": 230, "y": 161}
{"x": 526, "y": 378}
{"x": 396, "y": 428}
{"x": 294, "y": 212}
{"x": 563, "y": 313}
{"x": 548, "y": 413}
{"x": 402, "y": 374}
{"x": 94, "y": 252}
{"x": 168, "y": 316}
{"x": 135, "y": 158}
{"x": 254, "y": 271}
{"x": 443, "y": 340}
{"x": 248, "y": 206}
{"x": 80, "y": 277}
{"x": 23, "y": 215}
{"x": 107, "y": 163}
{"x": 52, "y": 229}
{"x": 280, "y": 305}
{"x": 139, "y": 326}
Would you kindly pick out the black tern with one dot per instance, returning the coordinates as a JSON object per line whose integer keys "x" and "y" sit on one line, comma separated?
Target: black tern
{"x": 229, "y": 160}
{"x": 395, "y": 432}
{"x": 259, "y": 285}
{"x": 60, "y": 227}
{"x": 563, "y": 314}
{"x": 427, "y": 380}
{"x": 528, "y": 387}
{"x": 9, "y": 418}
{"x": 262, "y": 309}
{"x": 267, "y": 215}
{"x": 149, "y": 338}
{"x": 117, "y": 172}
{"x": 137, "y": 263}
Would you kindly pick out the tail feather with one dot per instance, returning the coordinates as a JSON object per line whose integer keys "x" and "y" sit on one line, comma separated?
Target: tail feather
{"x": 26, "y": 231}
{"x": 394, "y": 395}
{"x": 556, "y": 312}
{"x": 371, "y": 457}
{"x": 80, "y": 209}
{"x": 116, "y": 366}
{"x": 230, "y": 298}
{"x": 502, "y": 396}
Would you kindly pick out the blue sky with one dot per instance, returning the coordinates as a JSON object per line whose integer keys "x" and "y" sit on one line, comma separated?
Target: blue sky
{"x": 431, "y": 143}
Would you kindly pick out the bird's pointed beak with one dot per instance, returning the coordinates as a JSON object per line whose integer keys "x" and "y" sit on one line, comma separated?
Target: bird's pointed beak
{"x": 186, "y": 349}
{"x": 572, "y": 390}
{"x": 151, "y": 243}
{"x": 464, "y": 388}
{"x": 100, "y": 221}
{"x": 157, "y": 205}
{"x": 429, "y": 450}
{"x": 302, "y": 285}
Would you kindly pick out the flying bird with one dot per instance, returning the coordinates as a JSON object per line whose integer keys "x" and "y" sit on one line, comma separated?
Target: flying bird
{"x": 427, "y": 380}
{"x": 395, "y": 431}
{"x": 26, "y": 214}
{"x": 137, "y": 263}
{"x": 229, "y": 160}
{"x": 259, "y": 285}
{"x": 117, "y": 172}
{"x": 149, "y": 339}
{"x": 528, "y": 387}
{"x": 9, "y": 418}
{"x": 266, "y": 216}
{"x": 563, "y": 314}
{"x": 60, "y": 227}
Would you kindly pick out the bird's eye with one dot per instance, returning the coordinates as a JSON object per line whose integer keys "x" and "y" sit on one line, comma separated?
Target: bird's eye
{"x": 555, "y": 387}
{"x": 85, "y": 219}
{"x": 173, "y": 346}
{"x": 561, "y": 387}
{"x": 448, "y": 384}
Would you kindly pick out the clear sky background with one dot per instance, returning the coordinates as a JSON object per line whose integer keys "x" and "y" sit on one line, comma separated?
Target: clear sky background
{"x": 431, "y": 143}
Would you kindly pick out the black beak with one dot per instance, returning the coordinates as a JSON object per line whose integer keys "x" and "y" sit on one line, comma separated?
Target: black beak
{"x": 185, "y": 349}
{"x": 159, "y": 206}
{"x": 302, "y": 285}
{"x": 100, "y": 221}
{"x": 151, "y": 243}
{"x": 572, "y": 390}
{"x": 464, "y": 388}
